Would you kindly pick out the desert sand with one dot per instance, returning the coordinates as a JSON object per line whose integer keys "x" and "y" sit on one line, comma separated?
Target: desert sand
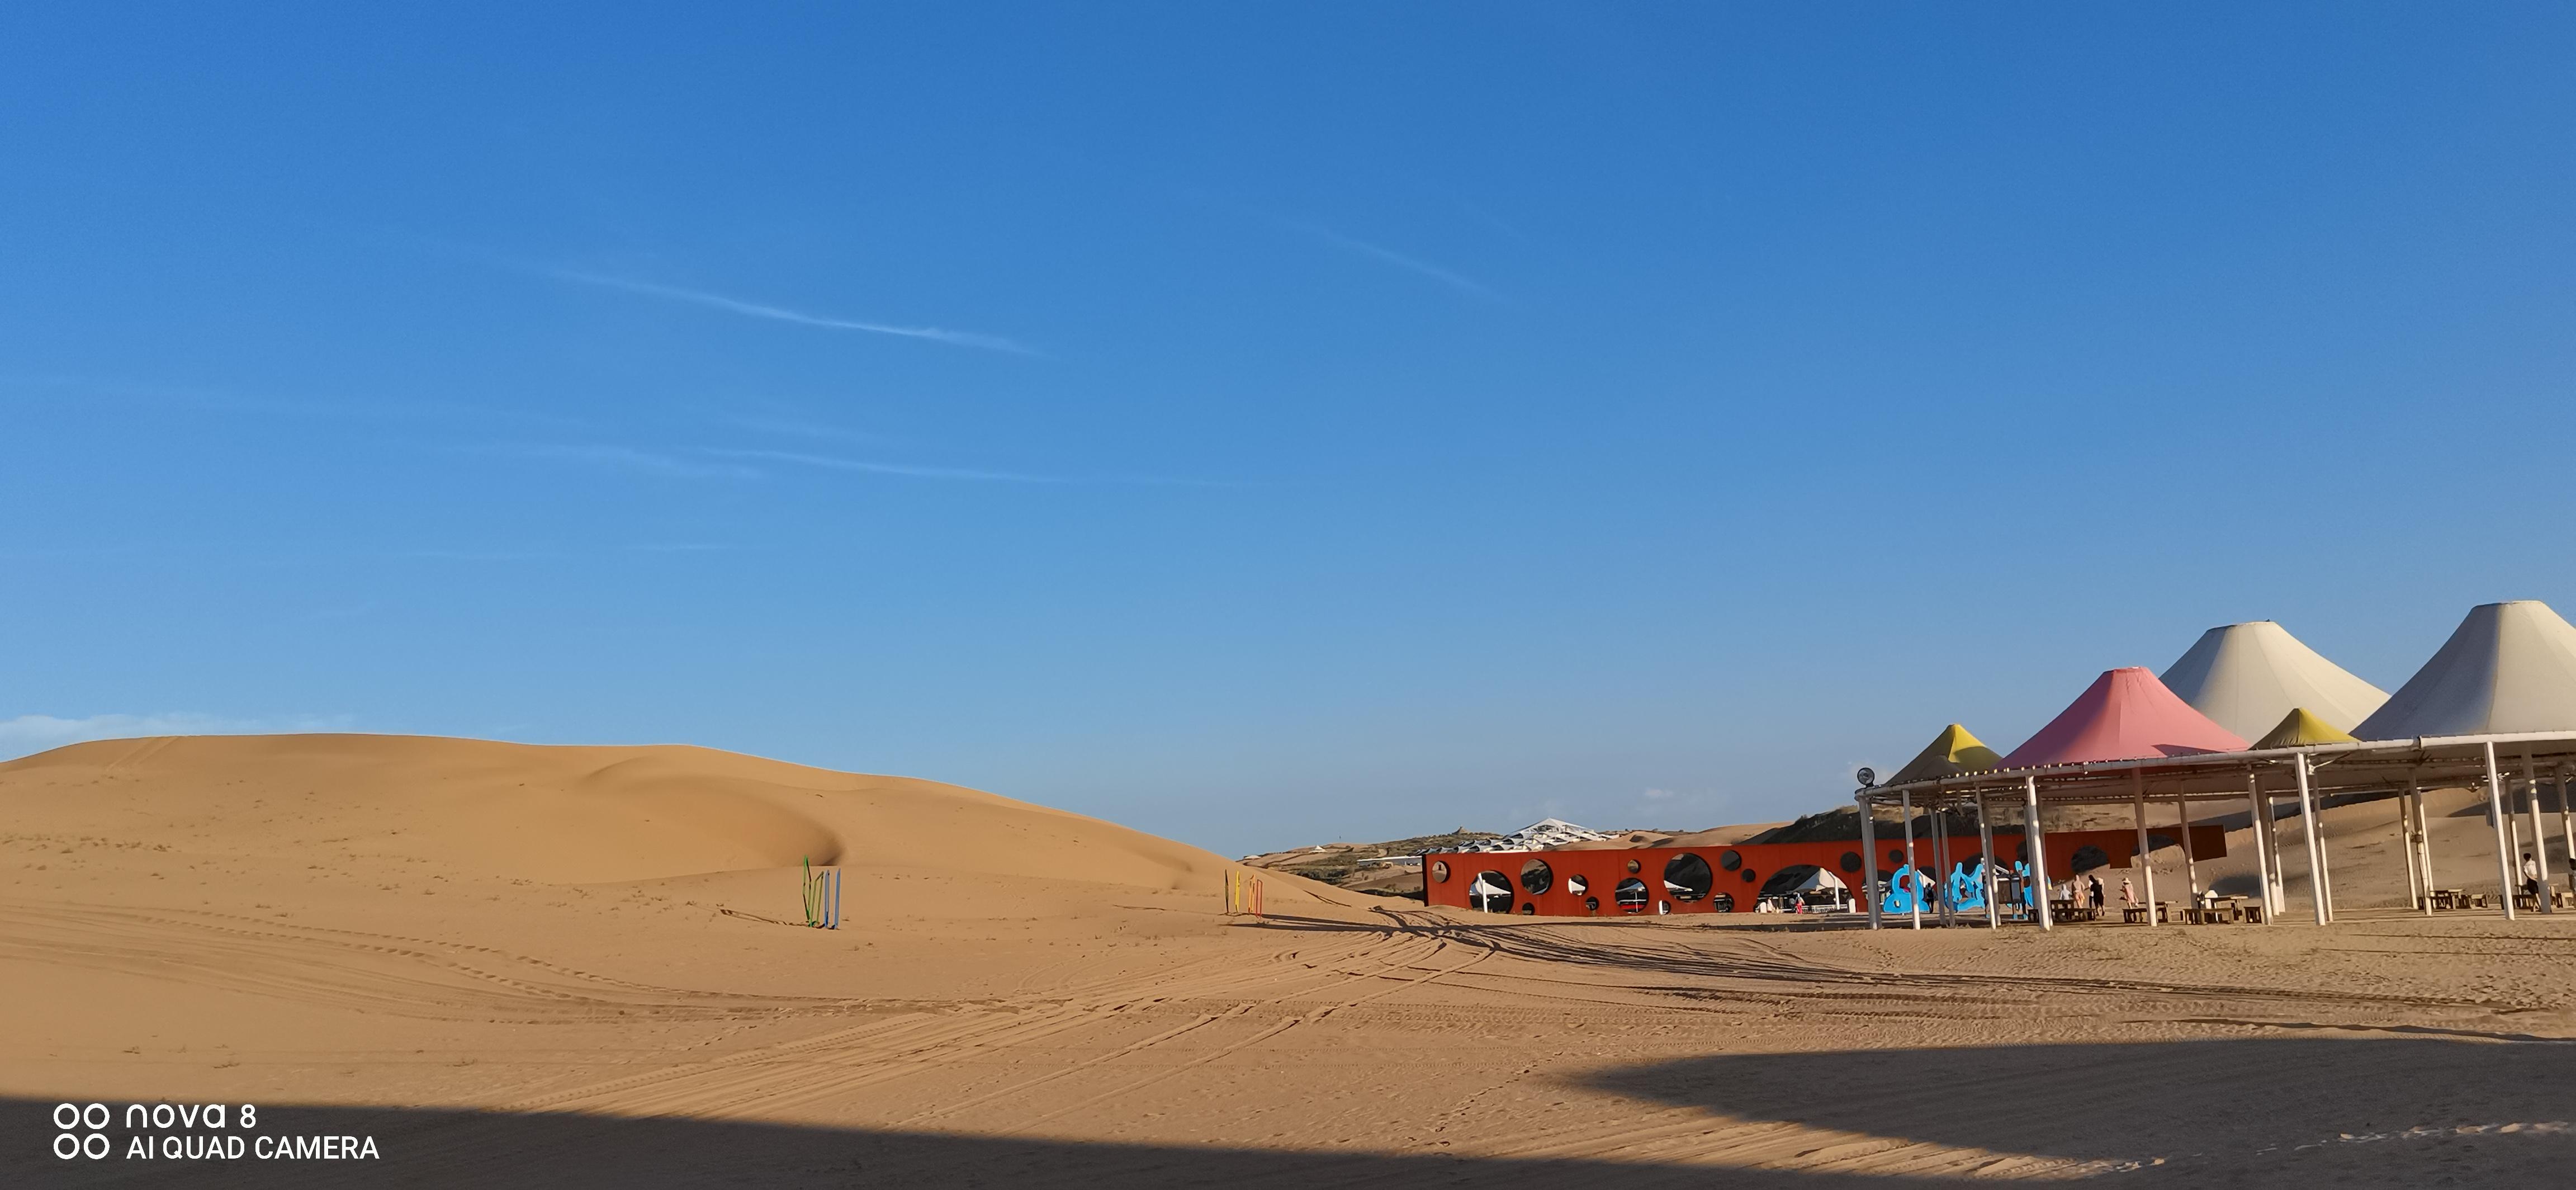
{"x": 515, "y": 965}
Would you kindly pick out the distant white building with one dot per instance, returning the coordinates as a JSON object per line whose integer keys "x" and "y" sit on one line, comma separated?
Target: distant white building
{"x": 1538, "y": 836}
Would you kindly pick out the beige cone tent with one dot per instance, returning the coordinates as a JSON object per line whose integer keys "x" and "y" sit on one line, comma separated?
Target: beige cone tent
{"x": 2509, "y": 667}
{"x": 2301, "y": 727}
{"x": 2245, "y": 677}
{"x": 1949, "y": 754}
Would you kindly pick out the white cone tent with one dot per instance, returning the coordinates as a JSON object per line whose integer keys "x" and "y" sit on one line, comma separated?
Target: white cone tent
{"x": 2247, "y": 676}
{"x": 2509, "y": 667}
{"x": 1484, "y": 892}
{"x": 1820, "y": 879}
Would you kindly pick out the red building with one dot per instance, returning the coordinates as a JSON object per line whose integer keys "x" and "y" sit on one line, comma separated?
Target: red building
{"x": 1608, "y": 882}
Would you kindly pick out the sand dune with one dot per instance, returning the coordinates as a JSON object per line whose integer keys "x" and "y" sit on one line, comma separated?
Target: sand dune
{"x": 527, "y": 966}
{"x": 566, "y": 815}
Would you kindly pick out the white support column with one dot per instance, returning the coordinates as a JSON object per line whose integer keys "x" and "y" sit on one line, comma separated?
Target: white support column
{"x": 2190, "y": 863}
{"x": 1986, "y": 861}
{"x": 2567, "y": 828}
{"x": 1941, "y": 860}
{"x": 2280, "y": 852}
{"x": 2038, "y": 852}
{"x": 2497, "y": 816}
{"x": 2280, "y": 857}
{"x": 2406, "y": 840}
{"x": 1869, "y": 854}
{"x": 2546, "y": 901}
{"x": 2425, "y": 846}
{"x": 2325, "y": 858}
{"x": 2308, "y": 823}
{"x": 1913, "y": 870}
{"x": 2255, "y": 830}
{"x": 2514, "y": 826}
{"x": 2147, "y": 870}
{"x": 2415, "y": 838}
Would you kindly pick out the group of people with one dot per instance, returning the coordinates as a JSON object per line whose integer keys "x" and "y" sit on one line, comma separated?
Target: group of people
{"x": 2086, "y": 892}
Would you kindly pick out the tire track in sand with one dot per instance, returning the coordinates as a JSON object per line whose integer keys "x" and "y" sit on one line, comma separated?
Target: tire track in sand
{"x": 1482, "y": 954}
{"x": 733, "y": 1081}
{"x": 1397, "y": 963}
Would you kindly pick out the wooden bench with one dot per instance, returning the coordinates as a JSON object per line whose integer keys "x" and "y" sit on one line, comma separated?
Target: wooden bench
{"x": 2220, "y": 912}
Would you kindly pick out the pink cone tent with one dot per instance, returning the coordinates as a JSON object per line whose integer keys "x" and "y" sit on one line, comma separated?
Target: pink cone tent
{"x": 2126, "y": 714}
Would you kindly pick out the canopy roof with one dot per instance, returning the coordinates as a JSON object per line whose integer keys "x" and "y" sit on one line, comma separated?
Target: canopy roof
{"x": 2244, "y": 677}
{"x": 1820, "y": 878}
{"x": 2126, "y": 714}
{"x": 2302, "y": 726}
{"x": 1950, "y": 753}
{"x": 2364, "y": 767}
{"x": 2509, "y": 667}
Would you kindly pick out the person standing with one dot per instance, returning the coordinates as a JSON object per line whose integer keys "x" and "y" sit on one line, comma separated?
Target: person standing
{"x": 2531, "y": 878}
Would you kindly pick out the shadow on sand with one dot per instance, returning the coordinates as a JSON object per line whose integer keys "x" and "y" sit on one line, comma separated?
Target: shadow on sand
{"x": 2461, "y": 1108}
{"x": 446, "y": 1148}
{"x": 2297, "y": 1111}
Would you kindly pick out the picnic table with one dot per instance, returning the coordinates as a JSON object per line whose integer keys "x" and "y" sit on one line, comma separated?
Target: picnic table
{"x": 2221, "y": 911}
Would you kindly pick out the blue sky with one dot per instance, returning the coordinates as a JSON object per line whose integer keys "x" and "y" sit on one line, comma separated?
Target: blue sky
{"x": 1262, "y": 425}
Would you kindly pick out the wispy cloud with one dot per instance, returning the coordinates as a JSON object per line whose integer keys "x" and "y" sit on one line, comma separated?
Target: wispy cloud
{"x": 1444, "y": 276}
{"x": 873, "y": 467}
{"x": 627, "y": 458}
{"x": 459, "y": 555}
{"x": 807, "y": 429}
{"x": 91, "y": 390}
{"x": 783, "y": 314}
{"x": 726, "y": 462}
{"x": 558, "y": 555}
{"x": 969, "y": 474}
{"x": 35, "y": 733}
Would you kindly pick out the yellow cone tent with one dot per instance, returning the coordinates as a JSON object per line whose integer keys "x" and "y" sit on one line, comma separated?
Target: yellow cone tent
{"x": 2301, "y": 726}
{"x": 1951, "y": 753}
